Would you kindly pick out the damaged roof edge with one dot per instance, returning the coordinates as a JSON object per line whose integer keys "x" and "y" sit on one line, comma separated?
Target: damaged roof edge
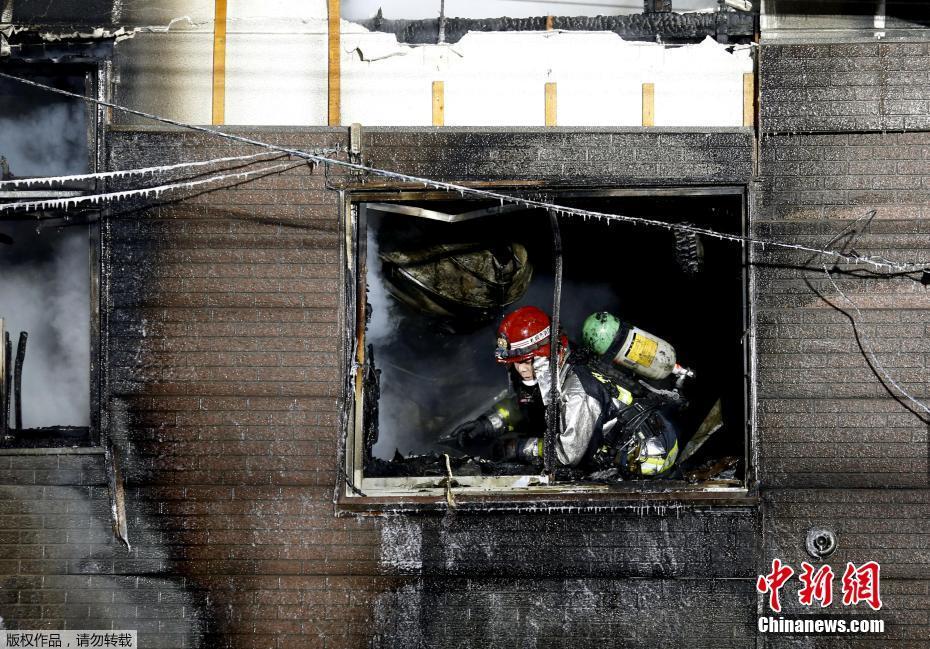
{"x": 678, "y": 28}
{"x": 28, "y": 46}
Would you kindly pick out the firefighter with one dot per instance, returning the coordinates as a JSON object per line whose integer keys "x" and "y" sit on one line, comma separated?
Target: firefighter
{"x": 600, "y": 425}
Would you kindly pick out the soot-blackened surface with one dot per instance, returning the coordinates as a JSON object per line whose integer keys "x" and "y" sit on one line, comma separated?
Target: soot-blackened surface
{"x": 665, "y": 542}
{"x": 74, "y": 13}
{"x": 508, "y": 613}
{"x": 663, "y": 27}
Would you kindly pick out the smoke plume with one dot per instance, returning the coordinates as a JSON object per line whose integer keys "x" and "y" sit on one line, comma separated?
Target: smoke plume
{"x": 47, "y": 293}
{"x": 44, "y": 272}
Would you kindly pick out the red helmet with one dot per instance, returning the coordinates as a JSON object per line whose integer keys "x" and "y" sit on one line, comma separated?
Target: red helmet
{"x": 523, "y": 334}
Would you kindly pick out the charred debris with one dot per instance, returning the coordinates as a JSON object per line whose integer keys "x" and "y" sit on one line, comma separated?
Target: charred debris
{"x": 12, "y": 432}
{"x": 657, "y": 23}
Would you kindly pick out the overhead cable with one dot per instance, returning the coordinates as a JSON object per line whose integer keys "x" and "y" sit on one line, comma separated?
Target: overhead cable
{"x": 869, "y": 350}
{"x": 875, "y": 261}
{"x": 57, "y": 180}
{"x": 96, "y": 199}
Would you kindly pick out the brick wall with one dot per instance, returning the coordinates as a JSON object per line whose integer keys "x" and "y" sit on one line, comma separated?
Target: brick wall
{"x": 845, "y": 87}
{"x": 223, "y": 374}
{"x": 224, "y": 378}
{"x": 567, "y": 156}
{"x": 464, "y": 613}
{"x": 836, "y": 450}
{"x": 814, "y": 187}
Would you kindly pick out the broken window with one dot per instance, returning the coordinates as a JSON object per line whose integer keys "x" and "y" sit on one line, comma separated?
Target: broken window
{"x": 46, "y": 263}
{"x": 433, "y": 280}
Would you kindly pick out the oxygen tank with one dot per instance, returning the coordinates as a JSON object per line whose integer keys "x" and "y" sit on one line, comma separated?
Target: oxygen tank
{"x": 631, "y": 347}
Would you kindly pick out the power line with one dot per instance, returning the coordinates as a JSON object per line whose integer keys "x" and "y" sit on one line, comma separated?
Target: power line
{"x": 869, "y": 350}
{"x": 874, "y": 261}
{"x": 48, "y": 180}
{"x": 95, "y": 199}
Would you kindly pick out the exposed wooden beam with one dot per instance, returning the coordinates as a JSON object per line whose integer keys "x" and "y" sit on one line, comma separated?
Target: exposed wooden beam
{"x": 551, "y": 104}
{"x": 439, "y": 103}
{"x": 218, "y": 115}
{"x": 18, "y": 380}
{"x": 749, "y": 98}
{"x": 435, "y": 215}
{"x": 333, "y": 76}
{"x": 649, "y": 104}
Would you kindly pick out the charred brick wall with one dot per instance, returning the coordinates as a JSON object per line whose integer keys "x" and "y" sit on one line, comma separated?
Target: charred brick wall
{"x": 223, "y": 330}
{"x": 621, "y": 157}
{"x": 222, "y": 387}
{"x": 848, "y": 87}
{"x": 558, "y": 578}
{"x": 223, "y": 376}
{"x": 837, "y": 450}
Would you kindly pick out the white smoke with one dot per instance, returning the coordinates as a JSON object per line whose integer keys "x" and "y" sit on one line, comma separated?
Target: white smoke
{"x": 50, "y": 299}
{"x": 45, "y": 141}
{"x": 415, "y": 408}
{"x": 382, "y": 324}
{"x": 45, "y": 273}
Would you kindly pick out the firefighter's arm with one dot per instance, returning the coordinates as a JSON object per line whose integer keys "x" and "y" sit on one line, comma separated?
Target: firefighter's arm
{"x": 578, "y": 414}
{"x": 499, "y": 419}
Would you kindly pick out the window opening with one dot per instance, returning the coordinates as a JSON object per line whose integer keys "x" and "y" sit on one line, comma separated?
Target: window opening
{"x": 439, "y": 276}
{"x": 46, "y": 265}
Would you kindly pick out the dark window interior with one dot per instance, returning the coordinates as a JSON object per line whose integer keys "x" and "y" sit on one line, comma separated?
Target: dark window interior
{"x": 438, "y": 370}
{"x": 900, "y": 13}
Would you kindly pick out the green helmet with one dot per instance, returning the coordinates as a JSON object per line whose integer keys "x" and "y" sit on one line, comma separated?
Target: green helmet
{"x": 599, "y": 330}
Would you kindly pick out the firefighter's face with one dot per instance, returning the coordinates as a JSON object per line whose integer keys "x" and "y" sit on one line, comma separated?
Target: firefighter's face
{"x": 525, "y": 370}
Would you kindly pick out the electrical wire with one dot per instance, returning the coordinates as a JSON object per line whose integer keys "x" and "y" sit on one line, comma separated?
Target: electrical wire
{"x": 94, "y": 199}
{"x": 877, "y": 262}
{"x": 869, "y": 351}
{"x": 48, "y": 180}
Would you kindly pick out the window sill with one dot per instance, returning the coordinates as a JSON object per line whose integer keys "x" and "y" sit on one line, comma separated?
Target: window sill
{"x": 48, "y": 438}
{"x": 76, "y": 450}
{"x": 658, "y": 496}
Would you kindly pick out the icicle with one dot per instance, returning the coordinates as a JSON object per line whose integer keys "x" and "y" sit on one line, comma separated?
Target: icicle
{"x": 95, "y": 199}
{"x": 124, "y": 173}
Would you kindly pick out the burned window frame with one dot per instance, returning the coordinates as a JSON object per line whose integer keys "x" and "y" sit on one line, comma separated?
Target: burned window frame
{"x": 356, "y": 493}
{"x": 96, "y": 73}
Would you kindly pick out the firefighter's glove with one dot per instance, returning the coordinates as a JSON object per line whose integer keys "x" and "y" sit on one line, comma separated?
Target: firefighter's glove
{"x": 472, "y": 432}
{"x": 525, "y": 449}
